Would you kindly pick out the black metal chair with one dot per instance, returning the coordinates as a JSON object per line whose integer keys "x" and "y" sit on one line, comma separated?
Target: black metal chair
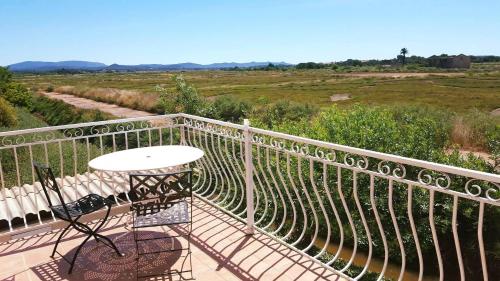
{"x": 162, "y": 200}
{"x": 73, "y": 211}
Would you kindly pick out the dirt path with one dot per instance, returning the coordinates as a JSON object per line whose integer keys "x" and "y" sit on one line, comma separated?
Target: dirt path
{"x": 84, "y": 103}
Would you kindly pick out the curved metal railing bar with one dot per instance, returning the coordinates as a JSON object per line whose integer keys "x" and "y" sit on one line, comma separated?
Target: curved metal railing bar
{"x": 261, "y": 171}
{"x": 299, "y": 199}
{"x": 414, "y": 233}
{"x": 365, "y": 226}
{"x": 396, "y": 228}
{"x": 434, "y": 234}
{"x": 280, "y": 195}
{"x": 310, "y": 203}
{"x": 336, "y": 214}
{"x": 322, "y": 207}
{"x": 289, "y": 197}
{"x": 241, "y": 178}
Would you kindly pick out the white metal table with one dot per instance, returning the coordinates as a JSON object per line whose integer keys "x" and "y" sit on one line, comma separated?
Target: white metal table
{"x": 145, "y": 159}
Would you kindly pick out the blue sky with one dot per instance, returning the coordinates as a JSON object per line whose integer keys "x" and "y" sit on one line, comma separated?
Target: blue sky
{"x": 171, "y": 31}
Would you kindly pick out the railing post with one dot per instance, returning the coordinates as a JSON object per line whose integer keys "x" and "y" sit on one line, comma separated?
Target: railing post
{"x": 248, "y": 177}
{"x": 182, "y": 133}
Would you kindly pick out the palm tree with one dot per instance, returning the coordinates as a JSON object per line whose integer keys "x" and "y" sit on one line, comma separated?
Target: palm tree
{"x": 403, "y": 53}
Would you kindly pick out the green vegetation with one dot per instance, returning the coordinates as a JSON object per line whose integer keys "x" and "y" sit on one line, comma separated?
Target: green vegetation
{"x": 458, "y": 92}
{"x": 26, "y": 120}
{"x": 5, "y": 79}
{"x": 7, "y": 114}
{"x": 272, "y": 115}
{"x": 409, "y": 131}
{"x": 18, "y": 95}
{"x": 185, "y": 98}
{"x": 13, "y": 92}
{"x": 416, "y": 63}
{"x": 229, "y": 109}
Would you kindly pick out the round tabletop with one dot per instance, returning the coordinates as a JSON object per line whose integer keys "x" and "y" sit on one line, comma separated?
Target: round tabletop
{"x": 146, "y": 158}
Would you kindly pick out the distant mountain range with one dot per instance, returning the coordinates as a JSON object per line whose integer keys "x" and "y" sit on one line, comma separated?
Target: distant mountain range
{"x": 41, "y": 66}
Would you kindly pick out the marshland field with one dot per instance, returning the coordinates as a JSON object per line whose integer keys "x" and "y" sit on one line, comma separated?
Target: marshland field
{"x": 455, "y": 91}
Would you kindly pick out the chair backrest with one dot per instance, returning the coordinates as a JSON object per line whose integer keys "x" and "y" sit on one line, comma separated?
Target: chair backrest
{"x": 48, "y": 181}
{"x": 161, "y": 188}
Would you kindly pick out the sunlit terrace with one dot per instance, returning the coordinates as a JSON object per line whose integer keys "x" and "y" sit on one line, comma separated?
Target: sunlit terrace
{"x": 266, "y": 206}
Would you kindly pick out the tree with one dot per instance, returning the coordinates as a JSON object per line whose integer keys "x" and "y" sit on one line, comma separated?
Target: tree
{"x": 17, "y": 94}
{"x": 5, "y": 79}
{"x": 13, "y": 92}
{"x": 403, "y": 53}
{"x": 185, "y": 99}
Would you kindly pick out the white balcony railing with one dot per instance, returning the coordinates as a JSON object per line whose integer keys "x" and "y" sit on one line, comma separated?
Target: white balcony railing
{"x": 356, "y": 212}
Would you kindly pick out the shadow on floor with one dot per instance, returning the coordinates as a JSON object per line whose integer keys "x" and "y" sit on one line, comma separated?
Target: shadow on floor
{"x": 239, "y": 261}
{"x": 98, "y": 262}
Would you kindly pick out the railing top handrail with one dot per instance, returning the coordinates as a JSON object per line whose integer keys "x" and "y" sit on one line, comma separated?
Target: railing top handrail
{"x": 86, "y": 124}
{"x": 385, "y": 156}
{"x": 213, "y": 121}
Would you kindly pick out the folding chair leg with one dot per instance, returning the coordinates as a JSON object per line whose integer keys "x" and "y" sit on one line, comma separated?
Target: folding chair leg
{"x": 59, "y": 239}
{"x": 190, "y": 256}
{"x": 99, "y": 236}
{"x": 136, "y": 253}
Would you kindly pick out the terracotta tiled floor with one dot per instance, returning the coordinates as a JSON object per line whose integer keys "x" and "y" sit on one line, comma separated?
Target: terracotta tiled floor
{"x": 221, "y": 251}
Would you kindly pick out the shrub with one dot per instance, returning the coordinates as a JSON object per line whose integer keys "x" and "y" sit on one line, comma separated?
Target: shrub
{"x": 493, "y": 143}
{"x": 229, "y": 109}
{"x": 185, "y": 99}
{"x": 14, "y": 93}
{"x": 7, "y": 114}
{"x": 18, "y": 95}
{"x": 282, "y": 111}
{"x": 402, "y": 132}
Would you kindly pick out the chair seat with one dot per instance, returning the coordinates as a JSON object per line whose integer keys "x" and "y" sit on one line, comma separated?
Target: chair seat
{"x": 82, "y": 206}
{"x": 176, "y": 214}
